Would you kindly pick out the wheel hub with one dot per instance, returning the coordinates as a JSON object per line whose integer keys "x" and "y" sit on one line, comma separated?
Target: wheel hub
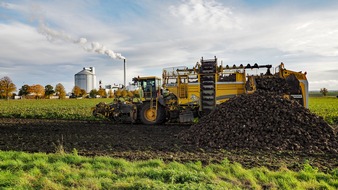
{"x": 150, "y": 114}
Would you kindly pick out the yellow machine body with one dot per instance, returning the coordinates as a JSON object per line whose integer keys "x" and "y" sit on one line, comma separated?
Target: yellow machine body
{"x": 186, "y": 93}
{"x": 229, "y": 81}
{"x": 185, "y": 84}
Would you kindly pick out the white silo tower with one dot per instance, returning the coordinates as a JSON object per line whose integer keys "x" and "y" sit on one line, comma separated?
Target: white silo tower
{"x": 86, "y": 79}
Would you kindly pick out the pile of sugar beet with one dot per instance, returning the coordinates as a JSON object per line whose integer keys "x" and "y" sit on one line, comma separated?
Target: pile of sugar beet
{"x": 263, "y": 120}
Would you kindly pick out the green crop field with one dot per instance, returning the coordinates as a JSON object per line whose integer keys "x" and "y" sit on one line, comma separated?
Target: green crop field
{"x": 50, "y": 109}
{"x": 69, "y": 171}
{"x": 327, "y": 107}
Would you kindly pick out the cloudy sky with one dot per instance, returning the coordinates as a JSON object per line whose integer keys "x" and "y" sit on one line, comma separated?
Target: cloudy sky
{"x": 47, "y": 42}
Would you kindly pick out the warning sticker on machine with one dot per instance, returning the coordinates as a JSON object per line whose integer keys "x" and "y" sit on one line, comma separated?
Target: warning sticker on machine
{"x": 296, "y": 95}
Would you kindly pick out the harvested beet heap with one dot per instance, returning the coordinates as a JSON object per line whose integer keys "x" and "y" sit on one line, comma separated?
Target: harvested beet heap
{"x": 263, "y": 120}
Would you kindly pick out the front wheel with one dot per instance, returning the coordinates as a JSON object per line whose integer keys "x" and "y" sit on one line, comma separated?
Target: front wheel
{"x": 149, "y": 116}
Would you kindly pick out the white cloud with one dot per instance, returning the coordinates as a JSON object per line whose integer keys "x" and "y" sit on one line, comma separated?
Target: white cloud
{"x": 166, "y": 34}
{"x": 22, "y": 44}
{"x": 205, "y": 15}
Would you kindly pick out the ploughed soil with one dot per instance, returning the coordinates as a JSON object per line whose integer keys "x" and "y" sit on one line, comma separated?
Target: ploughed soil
{"x": 141, "y": 142}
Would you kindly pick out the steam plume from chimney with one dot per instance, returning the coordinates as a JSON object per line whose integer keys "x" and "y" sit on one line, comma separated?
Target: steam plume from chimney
{"x": 93, "y": 47}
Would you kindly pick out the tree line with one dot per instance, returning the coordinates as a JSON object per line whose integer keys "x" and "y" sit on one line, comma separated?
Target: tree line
{"x": 8, "y": 89}
{"x": 37, "y": 91}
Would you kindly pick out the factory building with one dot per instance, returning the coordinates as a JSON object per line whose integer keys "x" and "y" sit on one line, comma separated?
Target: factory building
{"x": 86, "y": 79}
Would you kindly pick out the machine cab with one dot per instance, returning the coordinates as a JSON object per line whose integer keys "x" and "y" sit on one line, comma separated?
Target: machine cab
{"x": 151, "y": 86}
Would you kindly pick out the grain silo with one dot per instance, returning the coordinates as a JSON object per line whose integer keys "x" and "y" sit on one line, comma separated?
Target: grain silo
{"x": 86, "y": 79}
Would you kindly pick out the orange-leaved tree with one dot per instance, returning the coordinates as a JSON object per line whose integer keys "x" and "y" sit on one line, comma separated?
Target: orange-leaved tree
{"x": 37, "y": 90}
{"x": 77, "y": 91}
{"x": 102, "y": 92}
{"x": 60, "y": 91}
{"x": 7, "y": 87}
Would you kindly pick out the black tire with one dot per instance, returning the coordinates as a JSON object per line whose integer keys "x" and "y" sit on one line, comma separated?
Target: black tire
{"x": 161, "y": 114}
{"x": 147, "y": 115}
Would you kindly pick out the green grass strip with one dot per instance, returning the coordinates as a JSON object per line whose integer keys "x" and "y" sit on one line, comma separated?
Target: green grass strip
{"x": 19, "y": 170}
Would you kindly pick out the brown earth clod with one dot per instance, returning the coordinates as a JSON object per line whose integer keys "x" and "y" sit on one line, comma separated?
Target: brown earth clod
{"x": 264, "y": 120}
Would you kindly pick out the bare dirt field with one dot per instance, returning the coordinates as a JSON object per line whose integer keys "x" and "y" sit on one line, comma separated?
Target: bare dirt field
{"x": 139, "y": 142}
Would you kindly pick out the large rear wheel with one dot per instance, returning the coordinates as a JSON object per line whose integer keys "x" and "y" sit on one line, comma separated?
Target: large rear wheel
{"x": 149, "y": 116}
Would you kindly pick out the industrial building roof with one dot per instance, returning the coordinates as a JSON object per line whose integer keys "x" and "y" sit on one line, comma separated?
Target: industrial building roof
{"x": 84, "y": 72}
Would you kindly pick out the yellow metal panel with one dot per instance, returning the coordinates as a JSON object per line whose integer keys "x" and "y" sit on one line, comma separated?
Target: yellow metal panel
{"x": 226, "y": 90}
{"x": 173, "y": 89}
{"x": 240, "y": 77}
{"x": 193, "y": 91}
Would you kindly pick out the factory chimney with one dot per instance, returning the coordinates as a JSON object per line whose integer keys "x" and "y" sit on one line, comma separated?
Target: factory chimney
{"x": 124, "y": 68}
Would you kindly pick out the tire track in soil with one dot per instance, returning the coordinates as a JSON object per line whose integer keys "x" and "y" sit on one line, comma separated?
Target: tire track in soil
{"x": 138, "y": 142}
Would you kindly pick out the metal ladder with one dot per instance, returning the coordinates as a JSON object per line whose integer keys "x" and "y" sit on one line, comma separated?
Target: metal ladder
{"x": 207, "y": 85}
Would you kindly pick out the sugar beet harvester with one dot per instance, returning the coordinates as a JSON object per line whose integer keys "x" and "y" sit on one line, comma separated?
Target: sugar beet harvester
{"x": 186, "y": 93}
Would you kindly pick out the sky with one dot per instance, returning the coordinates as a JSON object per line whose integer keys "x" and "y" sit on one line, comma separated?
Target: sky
{"x": 48, "y": 42}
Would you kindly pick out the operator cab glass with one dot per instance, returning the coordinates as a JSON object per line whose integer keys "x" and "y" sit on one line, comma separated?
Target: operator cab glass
{"x": 150, "y": 86}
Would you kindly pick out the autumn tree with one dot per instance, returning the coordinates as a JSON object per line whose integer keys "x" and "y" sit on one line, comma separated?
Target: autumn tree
{"x": 49, "y": 90}
{"x": 23, "y": 91}
{"x": 60, "y": 91}
{"x": 77, "y": 91}
{"x": 83, "y": 93}
{"x": 324, "y": 91}
{"x": 37, "y": 90}
{"x": 110, "y": 93}
{"x": 7, "y": 87}
{"x": 102, "y": 92}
